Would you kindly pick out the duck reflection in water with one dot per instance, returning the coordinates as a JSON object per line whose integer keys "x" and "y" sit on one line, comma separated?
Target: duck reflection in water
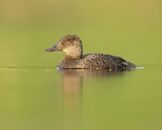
{"x": 73, "y": 79}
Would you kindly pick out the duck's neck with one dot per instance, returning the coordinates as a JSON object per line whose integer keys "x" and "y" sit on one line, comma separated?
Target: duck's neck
{"x": 73, "y": 53}
{"x": 74, "y": 56}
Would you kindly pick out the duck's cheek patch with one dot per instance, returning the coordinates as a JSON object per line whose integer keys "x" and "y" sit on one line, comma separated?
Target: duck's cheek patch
{"x": 69, "y": 50}
{"x": 65, "y": 50}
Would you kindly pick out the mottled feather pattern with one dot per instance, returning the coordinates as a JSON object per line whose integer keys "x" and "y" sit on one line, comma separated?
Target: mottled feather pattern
{"x": 98, "y": 61}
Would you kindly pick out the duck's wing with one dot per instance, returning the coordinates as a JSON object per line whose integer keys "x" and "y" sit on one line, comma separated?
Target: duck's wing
{"x": 103, "y": 61}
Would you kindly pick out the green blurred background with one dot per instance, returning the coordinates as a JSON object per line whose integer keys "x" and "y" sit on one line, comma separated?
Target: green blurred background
{"x": 35, "y": 96}
{"x": 129, "y": 28}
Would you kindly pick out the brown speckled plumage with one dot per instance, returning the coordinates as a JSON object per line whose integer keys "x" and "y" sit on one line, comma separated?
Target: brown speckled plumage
{"x": 71, "y": 45}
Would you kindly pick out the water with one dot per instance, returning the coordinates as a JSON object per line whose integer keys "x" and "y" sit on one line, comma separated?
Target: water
{"x": 45, "y": 98}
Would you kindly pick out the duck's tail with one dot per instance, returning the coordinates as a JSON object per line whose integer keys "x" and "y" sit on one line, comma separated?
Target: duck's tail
{"x": 131, "y": 66}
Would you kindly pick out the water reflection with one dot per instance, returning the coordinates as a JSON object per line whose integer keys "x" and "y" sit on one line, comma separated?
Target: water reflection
{"x": 72, "y": 80}
{"x": 72, "y": 93}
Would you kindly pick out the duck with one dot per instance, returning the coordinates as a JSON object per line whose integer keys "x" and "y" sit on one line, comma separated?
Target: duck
{"x": 74, "y": 58}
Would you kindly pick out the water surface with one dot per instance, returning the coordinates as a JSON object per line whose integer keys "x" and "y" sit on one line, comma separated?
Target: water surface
{"x": 45, "y": 98}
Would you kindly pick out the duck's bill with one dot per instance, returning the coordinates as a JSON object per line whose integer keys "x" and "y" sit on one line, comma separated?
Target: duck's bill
{"x": 54, "y": 48}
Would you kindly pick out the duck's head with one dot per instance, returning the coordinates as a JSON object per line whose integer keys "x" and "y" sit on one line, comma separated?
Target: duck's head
{"x": 71, "y": 45}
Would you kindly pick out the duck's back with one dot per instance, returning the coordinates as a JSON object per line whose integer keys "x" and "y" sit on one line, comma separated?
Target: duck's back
{"x": 103, "y": 61}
